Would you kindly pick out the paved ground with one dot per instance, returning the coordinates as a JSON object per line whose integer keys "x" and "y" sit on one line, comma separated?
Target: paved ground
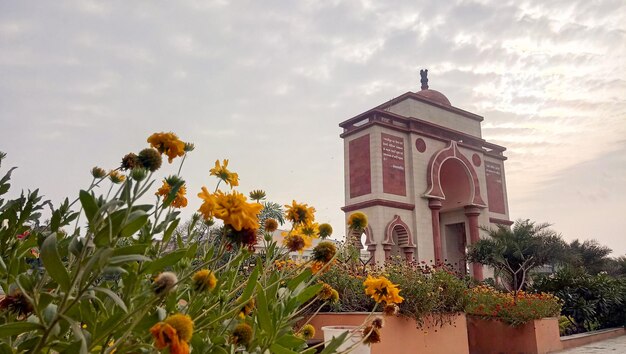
{"x": 614, "y": 346}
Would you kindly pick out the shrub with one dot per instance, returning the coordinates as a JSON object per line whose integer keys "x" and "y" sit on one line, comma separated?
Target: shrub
{"x": 590, "y": 302}
{"x": 487, "y": 302}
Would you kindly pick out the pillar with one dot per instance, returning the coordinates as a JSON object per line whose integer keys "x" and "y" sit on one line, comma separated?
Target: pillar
{"x": 408, "y": 254}
{"x": 472, "y": 213}
{"x": 372, "y": 250}
{"x": 435, "y": 206}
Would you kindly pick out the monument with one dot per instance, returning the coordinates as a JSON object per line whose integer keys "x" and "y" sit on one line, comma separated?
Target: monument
{"x": 420, "y": 170}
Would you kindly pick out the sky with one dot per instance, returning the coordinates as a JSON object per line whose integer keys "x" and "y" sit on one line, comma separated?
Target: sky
{"x": 266, "y": 83}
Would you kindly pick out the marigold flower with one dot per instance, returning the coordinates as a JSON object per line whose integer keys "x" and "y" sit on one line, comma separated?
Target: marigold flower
{"x": 299, "y": 213}
{"x": 222, "y": 172}
{"x": 174, "y": 332}
{"x": 150, "y": 159}
{"x": 242, "y": 334}
{"x": 232, "y": 208}
{"x": 17, "y": 303}
{"x": 381, "y": 289}
{"x": 204, "y": 280}
{"x": 325, "y": 230}
{"x": 357, "y": 221}
{"x": 180, "y": 201}
{"x": 271, "y": 225}
{"x": 165, "y": 282}
{"x": 324, "y": 252}
{"x": 307, "y": 331}
{"x": 168, "y": 144}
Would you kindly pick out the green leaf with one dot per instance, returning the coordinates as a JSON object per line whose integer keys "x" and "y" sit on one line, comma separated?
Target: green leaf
{"x": 290, "y": 341}
{"x": 332, "y": 346}
{"x": 308, "y": 293}
{"x": 52, "y": 262}
{"x": 113, "y": 296}
{"x": 15, "y": 328}
{"x": 136, "y": 220}
{"x": 128, "y": 258}
{"x": 133, "y": 249}
{"x": 294, "y": 282}
{"x": 263, "y": 313}
{"x": 167, "y": 235}
{"x": 252, "y": 280}
{"x": 89, "y": 204}
{"x": 279, "y": 349}
{"x": 165, "y": 261}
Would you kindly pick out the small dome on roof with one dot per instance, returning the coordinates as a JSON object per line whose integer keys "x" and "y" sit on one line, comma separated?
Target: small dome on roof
{"x": 435, "y": 96}
{"x": 431, "y": 95}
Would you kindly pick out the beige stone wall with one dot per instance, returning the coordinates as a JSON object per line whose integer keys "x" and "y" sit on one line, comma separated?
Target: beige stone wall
{"x": 420, "y": 110}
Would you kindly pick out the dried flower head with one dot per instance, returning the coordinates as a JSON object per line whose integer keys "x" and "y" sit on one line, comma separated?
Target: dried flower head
{"x": 325, "y": 230}
{"x": 98, "y": 172}
{"x": 189, "y": 147}
{"x": 257, "y": 195}
{"x": 324, "y": 251}
{"x": 130, "y": 161}
{"x": 378, "y": 322}
{"x": 307, "y": 331}
{"x": 294, "y": 243}
{"x": 242, "y": 334}
{"x": 116, "y": 177}
{"x": 150, "y": 159}
{"x": 204, "y": 280}
{"x": 243, "y": 237}
{"x": 357, "y": 221}
{"x": 371, "y": 335}
{"x": 164, "y": 283}
{"x": 391, "y": 310}
{"x": 271, "y": 225}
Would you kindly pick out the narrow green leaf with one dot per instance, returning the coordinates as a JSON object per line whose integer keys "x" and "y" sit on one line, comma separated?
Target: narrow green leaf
{"x": 52, "y": 262}
{"x": 279, "y": 349}
{"x": 263, "y": 313}
{"x": 167, "y": 235}
{"x": 252, "y": 280}
{"x": 165, "y": 261}
{"x": 128, "y": 258}
{"x": 308, "y": 293}
{"x": 290, "y": 341}
{"x": 113, "y": 296}
{"x": 132, "y": 249}
{"x": 89, "y": 204}
{"x": 332, "y": 346}
{"x": 15, "y": 328}
{"x": 136, "y": 220}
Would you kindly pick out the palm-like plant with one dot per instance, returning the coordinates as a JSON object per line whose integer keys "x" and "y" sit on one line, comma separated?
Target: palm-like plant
{"x": 513, "y": 252}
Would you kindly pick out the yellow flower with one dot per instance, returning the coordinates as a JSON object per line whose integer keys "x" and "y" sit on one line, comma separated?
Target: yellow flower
{"x": 334, "y": 297}
{"x": 168, "y": 144}
{"x": 242, "y": 334}
{"x": 381, "y": 289}
{"x": 180, "y": 201}
{"x": 316, "y": 267}
{"x": 204, "y": 280}
{"x": 326, "y": 292}
{"x": 296, "y": 242}
{"x": 247, "y": 309}
{"x": 307, "y": 331}
{"x": 299, "y": 213}
{"x": 174, "y": 332}
{"x": 324, "y": 252}
{"x": 325, "y": 230}
{"x": 116, "y": 177}
{"x": 357, "y": 221}
{"x": 224, "y": 174}
{"x": 309, "y": 229}
{"x": 232, "y": 208}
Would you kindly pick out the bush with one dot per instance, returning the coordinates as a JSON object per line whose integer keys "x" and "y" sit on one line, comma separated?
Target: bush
{"x": 590, "y": 302}
{"x": 428, "y": 292}
{"x": 487, "y": 302}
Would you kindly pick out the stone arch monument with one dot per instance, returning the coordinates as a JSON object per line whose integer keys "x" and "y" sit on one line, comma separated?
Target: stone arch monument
{"x": 420, "y": 170}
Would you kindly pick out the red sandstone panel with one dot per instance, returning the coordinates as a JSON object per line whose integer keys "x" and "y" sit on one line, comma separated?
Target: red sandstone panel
{"x": 360, "y": 169}
{"x": 495, "y": 189}
{"x": 394, "y": 181}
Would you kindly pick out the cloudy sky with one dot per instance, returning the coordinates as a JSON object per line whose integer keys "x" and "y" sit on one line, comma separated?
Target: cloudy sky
{"x": 265, "y": 83}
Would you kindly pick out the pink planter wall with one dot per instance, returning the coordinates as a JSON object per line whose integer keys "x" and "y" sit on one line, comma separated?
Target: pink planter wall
{"x": 400, "y": 335}
{"x": 495, "y": 337}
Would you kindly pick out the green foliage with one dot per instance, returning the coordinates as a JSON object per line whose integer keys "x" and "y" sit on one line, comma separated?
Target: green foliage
{"x": 487, "y": 302}
{"x": 589, "y": 255}
{"x": 428, "y": 293}
{"x": 590, "y": 302}
{"x": 514, "y": 252}
{"x": 101, "y": 283}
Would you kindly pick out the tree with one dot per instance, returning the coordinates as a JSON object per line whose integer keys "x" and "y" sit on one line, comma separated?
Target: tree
{"x": 514, "y": 252}
{"x": 589, "y": 255}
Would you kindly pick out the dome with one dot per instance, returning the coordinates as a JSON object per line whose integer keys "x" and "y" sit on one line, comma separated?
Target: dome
{"x": 434, "y": 96}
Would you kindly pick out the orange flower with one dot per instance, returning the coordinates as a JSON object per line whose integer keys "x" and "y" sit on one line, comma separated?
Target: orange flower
{"x": 165, "y": 335}
{"x": 168, "y": 144}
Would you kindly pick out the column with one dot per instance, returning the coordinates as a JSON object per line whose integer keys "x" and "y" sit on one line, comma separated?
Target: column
{"x": 372, "y": 250}
{"x": 472, "y": 213}
{"x": 408, "y": 254}
{"x": 435, "y": 206}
